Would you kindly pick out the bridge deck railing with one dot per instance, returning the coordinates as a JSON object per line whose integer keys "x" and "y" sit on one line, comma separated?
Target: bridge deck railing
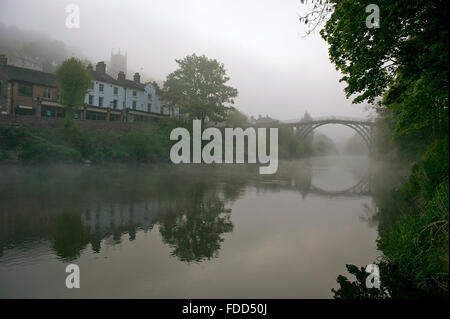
{"x": 330, "y": 118}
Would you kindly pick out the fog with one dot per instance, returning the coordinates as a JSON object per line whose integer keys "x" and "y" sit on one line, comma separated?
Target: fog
{"x": 277, "y": 71}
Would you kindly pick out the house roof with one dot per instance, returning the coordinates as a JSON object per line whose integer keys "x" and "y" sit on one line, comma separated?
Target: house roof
{"x": 31, "y": 76}
{"x": 49, "y": 79}
{"x": 103, "y": 77}
{"x": 132, "y": 84}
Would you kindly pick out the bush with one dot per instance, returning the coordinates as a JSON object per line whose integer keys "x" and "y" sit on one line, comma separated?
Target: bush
{"x": 147, "y": 146}
{"x": 3, "y": 155}
{"x": 84, "y": 144}
{"x": 99, "y": 157}
{"x": 45, "y": 152}
{"x": 427, "y": 174}
{"x": 12, "y": 138}
{"x": 418, "y": 245}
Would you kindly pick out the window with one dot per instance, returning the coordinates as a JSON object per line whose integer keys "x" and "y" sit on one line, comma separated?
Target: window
{"x": 91, "y": 100}
{"x": 101, "y": 87}
{"x": 149, "y": 107}
{"x": 100, "y": 101}
{"x": 134, "y": 93}
{"x": 25, "y": 89}
{"x": 47, "y": 93}
{"x": 134, "y": 105}
{"x": 116, "y": 90}
{"x": 115, "y": 104}
{"x": 149, "y": 96}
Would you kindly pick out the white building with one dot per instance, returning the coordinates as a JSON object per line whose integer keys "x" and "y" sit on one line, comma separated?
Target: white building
{"x": 155, "y": 103}
{"x": 106, "y": 93}
{"x": 135, "y": 96}
{"x": 122, "y": 99}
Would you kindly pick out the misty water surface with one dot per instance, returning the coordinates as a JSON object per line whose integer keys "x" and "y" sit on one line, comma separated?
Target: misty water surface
{"x": 185, "y": 231}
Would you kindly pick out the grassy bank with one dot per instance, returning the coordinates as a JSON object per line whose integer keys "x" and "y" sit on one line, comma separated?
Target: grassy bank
{"x": 413, "y": 226}
{"x": 146, "y": 144}
{"x": 418, "y": 242}
{"x": 34, "y": 146}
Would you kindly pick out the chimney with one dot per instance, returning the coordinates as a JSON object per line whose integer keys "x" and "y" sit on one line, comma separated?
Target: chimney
{"x": 89, "y": 67}
{"x": 121, "y": 76}
{"x": 100, "y": 67}
{"x": 137, "y": 78}
{"x": 3, "y": 60}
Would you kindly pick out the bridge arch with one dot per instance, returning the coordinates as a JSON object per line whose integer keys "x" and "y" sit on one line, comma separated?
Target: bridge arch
{"x": 361, "y": 188}
{"x": 361, "y": 126}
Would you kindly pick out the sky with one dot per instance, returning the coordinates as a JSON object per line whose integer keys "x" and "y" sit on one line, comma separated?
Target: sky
{"x": 276, "y": 71}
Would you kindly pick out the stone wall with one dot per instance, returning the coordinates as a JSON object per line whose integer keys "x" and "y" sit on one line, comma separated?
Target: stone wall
{"x": 58, "y": 123}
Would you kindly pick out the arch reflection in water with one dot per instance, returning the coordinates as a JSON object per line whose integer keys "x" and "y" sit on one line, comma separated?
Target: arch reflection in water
{"x": 189, "y": 208}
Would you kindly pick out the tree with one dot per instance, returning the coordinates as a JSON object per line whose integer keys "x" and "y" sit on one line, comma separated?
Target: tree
{"x": 74, "y": 82}
{"x": 236, "y": 119}
{"x": 198, "y": 88}
{"x": 194, "y": 230}
{"x": 402, "y": 64}
{"x": 317, "y": 13}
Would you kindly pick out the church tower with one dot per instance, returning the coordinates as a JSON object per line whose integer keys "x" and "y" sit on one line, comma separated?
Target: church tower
{"x": 118, "y": 63}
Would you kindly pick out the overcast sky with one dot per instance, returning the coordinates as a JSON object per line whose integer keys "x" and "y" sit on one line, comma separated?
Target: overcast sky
{"x": 275, "y": 69}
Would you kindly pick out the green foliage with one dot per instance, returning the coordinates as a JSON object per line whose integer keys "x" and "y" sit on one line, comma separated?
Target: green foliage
{"x": 13, "y": 138}
{"x": 418, "y": 245}
{"x": 412, "y": 36}
{"x": 98, "y": 157}
{"x": 3, "y": 155}
{"x": 236, "y": 119}
{"x": 384, "y": 146}
{"x": 74, "y": 82}
{"x": 146, "y": 145}
{"x": 198, "y": 88}
{"x": 427, "y": 174}
{"x": 45, "y": 152}
{"x": 405, "y": 63}
{"x": 289, "y": 146}
{"x": 69, "y": 236}
{"x": 393, "y": 285}
{"x": 413, "y": 226}
{"x": 323, "y": 145}
{"x": 357, "y": 289}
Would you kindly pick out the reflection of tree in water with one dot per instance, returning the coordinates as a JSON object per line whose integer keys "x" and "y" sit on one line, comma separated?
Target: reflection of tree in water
{"x": 194, "y": 230}
{"x": 301, "y": 180}
{"x": 69, "y": 236}
{"x": 188, "y": 204}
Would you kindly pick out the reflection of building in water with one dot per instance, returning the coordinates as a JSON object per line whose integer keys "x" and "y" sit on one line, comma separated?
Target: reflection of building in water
{"x": 70, "y": 230}
{"x": 118, "y": 219}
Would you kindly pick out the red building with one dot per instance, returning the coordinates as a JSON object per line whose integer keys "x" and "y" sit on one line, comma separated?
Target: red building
{"x": 27, "y": 92}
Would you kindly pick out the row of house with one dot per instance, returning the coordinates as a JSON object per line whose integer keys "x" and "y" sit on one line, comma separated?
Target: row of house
{"x": 29, "y": 92}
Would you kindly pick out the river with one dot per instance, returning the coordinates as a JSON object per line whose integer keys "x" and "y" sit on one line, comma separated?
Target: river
{"x": 185, "y": 231}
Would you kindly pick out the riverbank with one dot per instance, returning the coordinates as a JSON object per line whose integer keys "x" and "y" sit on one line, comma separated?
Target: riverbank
{"x": 148, "y": 143}
{"x": 416, "y": 242}
{"x": 144, "y": 144}
{"x": 413, "y": 227}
